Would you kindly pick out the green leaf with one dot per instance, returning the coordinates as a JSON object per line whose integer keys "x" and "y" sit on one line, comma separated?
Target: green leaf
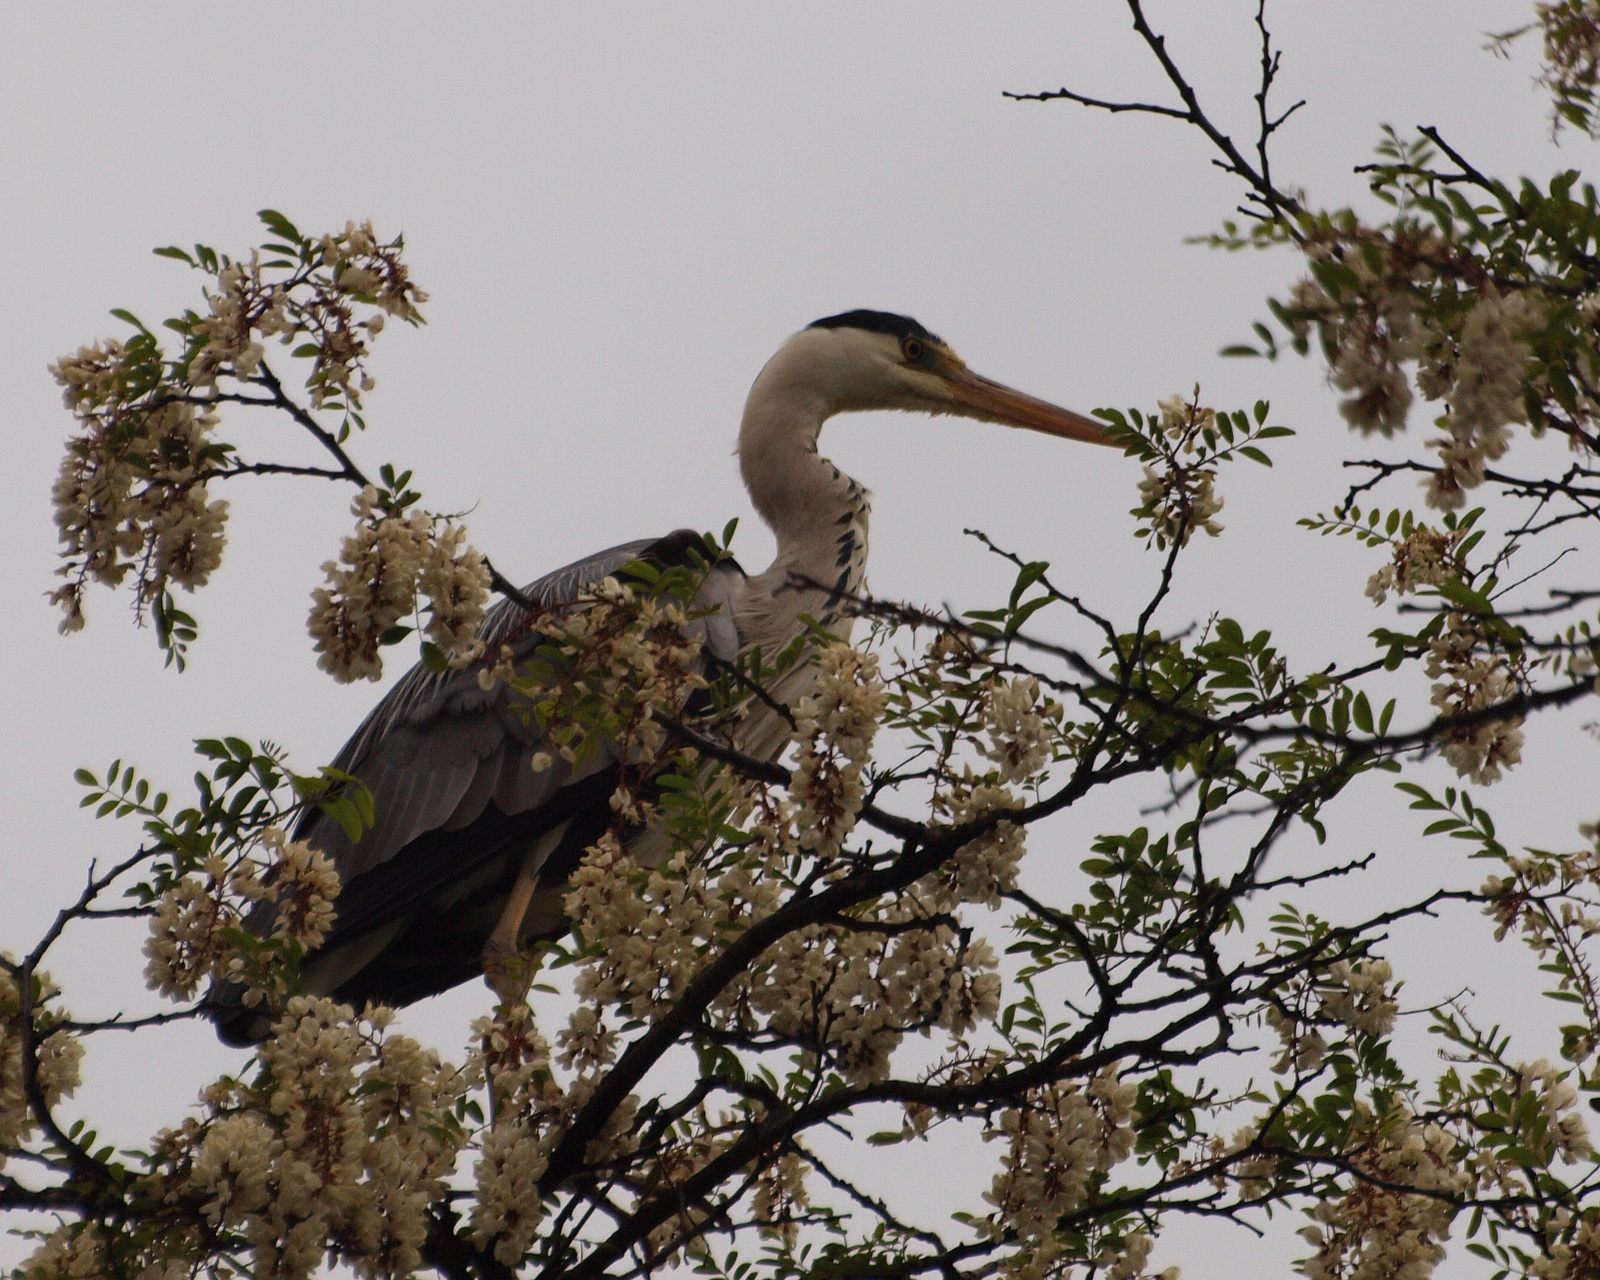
{"x": 1255, "y": 455}
{"x": 1030, "y": 574}
{"x": 1014, "y": 623}
{"x": 1457, "y": 592}
{"x": 433, "y": 657}
{"x": 127, "y": 317}
{"x": 276, "y": 223}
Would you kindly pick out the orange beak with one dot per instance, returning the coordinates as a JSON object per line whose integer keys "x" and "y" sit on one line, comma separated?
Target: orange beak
{"x": 999, "y": 403}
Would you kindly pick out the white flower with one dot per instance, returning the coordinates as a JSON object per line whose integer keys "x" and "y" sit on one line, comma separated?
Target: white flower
{"x": 835, "y": 725}
{"x": 372, "y": 587}
{"x": 455, "y": 579}
{"x": 60, "y": 1055}
{"x": 186, "y": 945}
{"x": 1484, "y": 395}
{"x": 1481, "y": 752}
{"x": 1054, "y": 1143}
{"x": 1357, "y": 995}
{"x": 1178, "y": 503}
{"x": 1375, "y": 1230}
{"x": 304, "y": 886}
{"x": 1425, "y": 557}
{"x": 1016, "y": 728}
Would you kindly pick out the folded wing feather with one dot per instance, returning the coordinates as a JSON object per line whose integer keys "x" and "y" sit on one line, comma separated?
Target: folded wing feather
{"x": 458, "y": 807}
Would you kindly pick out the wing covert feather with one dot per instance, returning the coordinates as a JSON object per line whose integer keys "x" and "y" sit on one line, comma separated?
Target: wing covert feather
{"x": 437, "y": 748}
{"x": 458, "y": 808}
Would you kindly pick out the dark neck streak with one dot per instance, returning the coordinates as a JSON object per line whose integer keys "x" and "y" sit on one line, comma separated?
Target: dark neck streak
{"x": 820, "y": 518}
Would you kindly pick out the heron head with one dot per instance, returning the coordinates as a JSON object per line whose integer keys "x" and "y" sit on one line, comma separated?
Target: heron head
{"x": 879, "y": 360}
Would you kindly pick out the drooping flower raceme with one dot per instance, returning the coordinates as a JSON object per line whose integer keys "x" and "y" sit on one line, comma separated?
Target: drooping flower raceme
{"x": 1376, "y": 1228}
{"x": 391, "y": 558}
{"x": 347, "y": 1135}
{"x": 1424, "y": 558}
{"x": 1064, "y": 1134}
{"x": 455, "y": 579}
{"x": 1473, "y": 681}
{"x": 131, "y": 495}
{"x": 59, "y": 1054}
{"x": 835, "y": 725}
{"x": 1485, "y": 393}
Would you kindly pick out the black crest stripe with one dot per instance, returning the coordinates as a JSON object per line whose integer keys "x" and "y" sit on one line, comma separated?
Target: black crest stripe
{"x": 876, "y": 322}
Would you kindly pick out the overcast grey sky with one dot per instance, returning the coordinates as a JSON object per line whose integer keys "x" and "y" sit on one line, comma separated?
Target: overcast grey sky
{"x": 620, "y": 211}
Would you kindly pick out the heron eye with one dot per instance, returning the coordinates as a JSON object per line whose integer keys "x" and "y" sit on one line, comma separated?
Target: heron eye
{"x": 912, "y": 349}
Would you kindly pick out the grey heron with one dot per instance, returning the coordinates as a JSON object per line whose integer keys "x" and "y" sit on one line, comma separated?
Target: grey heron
{"x": 471, "y": 847}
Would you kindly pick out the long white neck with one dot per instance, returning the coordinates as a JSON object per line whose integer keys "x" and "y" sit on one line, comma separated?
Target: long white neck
{"x": 818, "y": 514}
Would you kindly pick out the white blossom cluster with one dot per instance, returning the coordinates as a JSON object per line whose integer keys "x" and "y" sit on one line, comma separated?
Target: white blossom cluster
{"x": 1375, "y": 1230}
{"x": 856, "y": 993}
{"x": 1423, "y": 558}
{"x": 1576, "y": 1257}
{"x": 1017, "y": 728}
{"x": 1055, "y": 1142}
{"x": 242, "y": 309}
{"x": 345, "y": 1138}
{"x": 1254, "y": 1174}
{"x": 302, "y": 890}
{"x": 131, "y": 495}
{"x": 1477, "y": 368}
{"x": 1184, "y": 420}
{"x": 77, "y": 1252}
{"x": 59, "y": 1055}
{"x": 835, "y": 725}
{"x": 513, "y": 1059}
{"x": 668, "y": 1244}
{"x": 1128, "y": 1261}
{"x": 1571, "y": 68}
{"x": 1304, "y": 1047}
{"x": 315, "y": 303}
{"x": 1181, "y": 499}
{"x": 1356, "y": 995}
{"x": 1484, "y": 393}
{"x": 188, "y": 941}
{"x": 1359, "y": 996}
{"x": 455, "y": 580}
{"x": 186, "y": 944}
{"x": 1178, "y": 503}
{"x": 780, "y": 1195}
{"x": 1474, "y": 680}
{"x": 633, "y": 656}
{"x": 1564, "y": 1131}
{"x": 852, "y": 993}
{"x": 654, "y": 929}
{"x": 1371, "y": 341}
{"x": 382, "y": 567}
{"x": 531, "y": 1113}
{"x": 984, "y": 868}
{"x": 1553, "y": 899}
{"x": 361, "y": 269}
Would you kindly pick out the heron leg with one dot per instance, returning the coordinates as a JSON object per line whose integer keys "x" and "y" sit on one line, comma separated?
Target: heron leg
{"x": 504, "y": 967}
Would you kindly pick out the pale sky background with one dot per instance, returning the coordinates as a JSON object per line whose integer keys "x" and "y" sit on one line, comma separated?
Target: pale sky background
{"x": 620, "y": 211}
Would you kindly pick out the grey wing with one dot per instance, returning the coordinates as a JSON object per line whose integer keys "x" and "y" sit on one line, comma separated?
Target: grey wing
{"x": 437, "y": 750}
{"x": 434, "y": 750}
